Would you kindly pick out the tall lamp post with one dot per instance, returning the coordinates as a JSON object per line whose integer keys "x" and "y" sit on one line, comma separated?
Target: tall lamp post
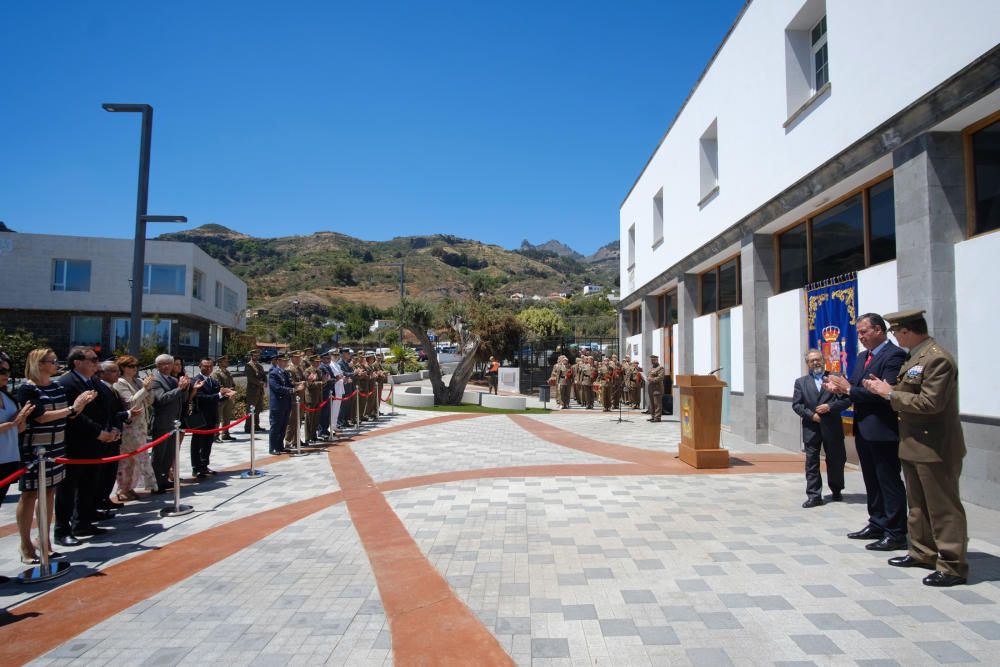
{"x": 295, "y": 334}
{"x": 141, "y": 218}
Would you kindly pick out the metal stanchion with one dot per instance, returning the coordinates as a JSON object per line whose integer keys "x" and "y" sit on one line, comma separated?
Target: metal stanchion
{"x": 298, "y": 429}
{"x": 392, "y": 394}
{"x": 46, "y": 569}
{"x": 357, "y": 411}
{"x": 177, "y": 509}
{"x": 252, "y": 472}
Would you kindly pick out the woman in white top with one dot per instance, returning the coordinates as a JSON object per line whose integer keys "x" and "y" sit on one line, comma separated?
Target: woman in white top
{"x": 138, "y": 398}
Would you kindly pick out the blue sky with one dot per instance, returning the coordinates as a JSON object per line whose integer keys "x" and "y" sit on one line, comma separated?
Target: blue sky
{"x": 494, "y": 121}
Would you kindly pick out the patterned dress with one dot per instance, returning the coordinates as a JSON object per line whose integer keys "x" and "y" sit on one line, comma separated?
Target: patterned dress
{"x": 49, "y": 435}
{"x": 138, "y": 469}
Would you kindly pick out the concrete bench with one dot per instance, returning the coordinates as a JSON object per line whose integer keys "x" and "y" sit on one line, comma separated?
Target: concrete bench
{"x": 410, "y": 400}
{"x": 405, "y": 377}
{"x": 413, "y": 390}
{"x": 504, "y": 402}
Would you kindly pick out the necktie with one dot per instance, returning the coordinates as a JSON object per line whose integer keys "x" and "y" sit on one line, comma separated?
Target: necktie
{"x": 868, "y": 360}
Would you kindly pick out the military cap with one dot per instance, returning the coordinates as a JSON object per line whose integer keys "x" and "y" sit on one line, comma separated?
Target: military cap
{"x": 281, "y": 355}
{"x": 296, "y": 353}
{"x": 324, "y": 354}
{"x": 904, "y": 317}
{"x": 221, "y": 357}
{"x": 654, "y": 356}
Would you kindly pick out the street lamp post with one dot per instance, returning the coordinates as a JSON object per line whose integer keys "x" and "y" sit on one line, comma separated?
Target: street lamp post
{"x": 295, "y": 334}
{"x": 141, "y": 218}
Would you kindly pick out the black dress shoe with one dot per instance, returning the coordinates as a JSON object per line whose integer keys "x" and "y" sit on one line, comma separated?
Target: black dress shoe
{"x": 209, "y": 471}
{"x": 942, "y": 580}
{"x": 836, "y": 497}
{"x": 909, "y": 561}
{"x": 812, "y": 502}
{"x": 89, "y": 529}
{"x": 887, "y": 544}
{"x": 102, "y": 515}
{"x": 67, "y": 541}
{"x": 199, "y": 474}
{"x": 869, "y": 532}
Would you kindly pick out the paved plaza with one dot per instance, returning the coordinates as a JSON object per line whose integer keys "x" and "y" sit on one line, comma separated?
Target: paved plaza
{"x": 560, "y": 539}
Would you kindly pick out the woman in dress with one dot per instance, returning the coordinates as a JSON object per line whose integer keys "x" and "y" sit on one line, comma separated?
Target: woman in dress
{"x": 12, "y": 421}
{"x": 45, "y": 427}
{"x": 138, "y": 398}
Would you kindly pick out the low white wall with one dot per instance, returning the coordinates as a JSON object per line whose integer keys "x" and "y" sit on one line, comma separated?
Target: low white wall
{"x": 658, "y": 343}
{"x": 634, "y": 345}
{"x": 786, "y": 336}
{"x": 704, "y": 344}
{"x": 878, "y": 292}
{"x": 673, "y": 336}
{"x": 977, "y": 274}
{"x": 736, "y": 315}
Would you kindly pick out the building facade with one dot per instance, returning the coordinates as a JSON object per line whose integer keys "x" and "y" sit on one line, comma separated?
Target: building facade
{"x": 73, "y": 290}
{"x": 825, "y": 139}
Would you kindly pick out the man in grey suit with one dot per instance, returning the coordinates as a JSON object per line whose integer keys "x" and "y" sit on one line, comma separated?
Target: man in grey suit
{"x": 821, "y": 427}
{"x": 169, "y": 399}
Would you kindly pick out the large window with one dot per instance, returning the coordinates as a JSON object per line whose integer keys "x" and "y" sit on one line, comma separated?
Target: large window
{"x": 720, "y": 287}
{"x": 820, "y": 61}
{"x": 188, "y": 337}
{"x": 666, "y": 309}
{"x": 155, "y": 334}
{"x": 851, "y": 235}
{"x": 164, "y": 279}
{"x": 86, "y": 330}
{"x": 230, "y": 303}
{"x": 986, "y": 179}
{"x": 71, "y": 275}
{"x": 633, "y": 321}
{"x": 218, "y": 294}
{"x": 198, "y": 285}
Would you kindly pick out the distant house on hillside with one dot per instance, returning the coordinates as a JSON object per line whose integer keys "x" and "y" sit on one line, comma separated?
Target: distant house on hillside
{"x": 381, "y": 325}
{"x": 517, "y": 296}
{"x": 591, "y": 289}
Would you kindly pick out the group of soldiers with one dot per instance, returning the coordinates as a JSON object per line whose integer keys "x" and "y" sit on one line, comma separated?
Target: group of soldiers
{"x": 318, "y": 378}
{"x": 615, "y": 383}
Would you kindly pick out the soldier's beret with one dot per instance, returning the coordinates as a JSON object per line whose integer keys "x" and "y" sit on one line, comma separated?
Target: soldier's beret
{"x": 903, "y": 317}
{"x": 653, "y": 356}
{"x": 282, "y": 355}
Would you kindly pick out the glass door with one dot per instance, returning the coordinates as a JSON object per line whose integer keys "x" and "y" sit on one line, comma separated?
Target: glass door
{"x": 725, "y": 360}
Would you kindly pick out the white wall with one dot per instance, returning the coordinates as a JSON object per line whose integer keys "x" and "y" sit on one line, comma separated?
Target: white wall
{"x": 977, "y": 275}
{"x": 705, "y": 334}
{"x": 635, "y": 343}
{"x": 673, "y": 361}
{"x": 736, "y": 379}
{"x": 786, "y": 326}
{"x": 877, "y": 292}
{"x": 879, "y": 63}
{"x": 657, "y": 344}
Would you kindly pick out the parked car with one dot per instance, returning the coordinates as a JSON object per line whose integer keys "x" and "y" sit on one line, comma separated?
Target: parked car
{"x": 268, "y": 354}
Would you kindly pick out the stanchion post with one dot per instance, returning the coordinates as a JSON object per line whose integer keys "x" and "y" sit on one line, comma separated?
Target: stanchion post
{"x": 252, "y": 472}
{"x": 46, "y": 569}
{"x": 392, "y": 395}
{"x": 298, "y": 428}
{"x": 357, "y": 410}
{"x": 177, "y": 509}
{"x": 333, "y": 422}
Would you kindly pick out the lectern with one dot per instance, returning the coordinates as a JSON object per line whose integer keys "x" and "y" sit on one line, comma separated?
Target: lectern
{"x": 700, "y": 415}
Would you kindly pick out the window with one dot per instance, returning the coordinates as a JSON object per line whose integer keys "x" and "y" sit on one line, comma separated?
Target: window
{"x": 218, "y": 294}
{"x": 198, "y": 285}
{"x": 709, "y": 162}
{"x": 666, "y": 309}
{"x": 86, "y": 330}
{"x": 821, "y": 66}
{"x": 633, "y": 321}
{"x": 986, "y": 179}
{"x": 631, "y": 246}
{"x": 155, "y": 334}
{"x": 164, "y": 279}
{"x": 71, "y": 275}
{"x": 229, "y": 301}
{"x": 188, "y": 337}
{"x": 851, "y": 235}
{"x": 720, "y": 287}
{"x": 658, "y": 218}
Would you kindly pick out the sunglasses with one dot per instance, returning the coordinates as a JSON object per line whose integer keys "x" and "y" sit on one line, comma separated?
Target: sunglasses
{"x": 130, "y": 365}
{"x": 4, "y": 371}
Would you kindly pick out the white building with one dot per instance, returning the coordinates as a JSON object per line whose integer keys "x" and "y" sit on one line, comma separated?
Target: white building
{"x": 591, "y": 289}
{"x": 825, "y": 138}
{"x": 73, "y": 290}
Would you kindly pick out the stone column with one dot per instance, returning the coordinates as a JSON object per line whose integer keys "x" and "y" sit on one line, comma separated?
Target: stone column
{"x": 687, "y": 310}
{"x": 622, "y": 332}
{"x": 648, "y": 324}
{"x": 757, "y": 267}
{"x": 929, "y": 189}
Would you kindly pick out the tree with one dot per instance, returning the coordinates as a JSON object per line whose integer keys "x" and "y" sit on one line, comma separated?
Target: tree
{"x": 418, "y": 317}
{"x": 499, "y": 330}
{"x": 542, "y": 322}
{"x": 17, "y": 344}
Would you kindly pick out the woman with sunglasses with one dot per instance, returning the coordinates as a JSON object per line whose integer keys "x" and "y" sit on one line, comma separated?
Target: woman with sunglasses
{"x": 138, "y": 398}
{"x": 44, "y": 427}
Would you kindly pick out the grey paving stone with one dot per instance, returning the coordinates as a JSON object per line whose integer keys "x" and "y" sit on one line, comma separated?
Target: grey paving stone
{"x": 598, "y": 573}
{"x": 271, "y": 660}
{"x": 794, "y": 663}
{"x": 541, "y": 559}
{"x": 766, "y": 568}
{"x": 875, "y": 629}
{"x": 878, "y": 662}
{"x": 816, "y": 645}
{"x": 370, "y": 607}
{"x": 618, "y": 627}
{"x": 871, "y": 580}
{"x": 829, "y": 621}
{"x": 513, "y": 626}
{"x": 967, "y": 597}
{"x": 692, "y": 585}
{"x": 658, "y": 636}
{"x": 571, "y": 580}
{"x": 164, "y": 657}
{"x": 720, "y": 620}
{"x": 545, "y": 606}
{"x": 515, "y": 589}
{"x": 709, "y": 570}
{"x": 709, "y": 657}
{"x": 925, "y": 614}
{"x": 881, "y": 608}
{"x": 679, "y": 613}
{"x": 809, "y": 559}
{"x": 650, "y": 564}
{"x": 723, "y": 556}
{"x": 638, "y": 597}
{"x": 987, "y": 629}
{"x": 771, "y": 602}
{"x": 824, "y": 591}
{"x": 579, "y": 612}
{"x": 549, "y": 648}
{"x": 946, "y": 653}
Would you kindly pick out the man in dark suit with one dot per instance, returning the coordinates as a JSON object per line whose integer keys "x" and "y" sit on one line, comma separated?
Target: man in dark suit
{"x": 876, "y": 435}
{"x": 169, "y": 401}
{"x": 821, "y": 427}
{"x": 281, "y": 393}
{"x": 86, "y": 436}
{"x": 103, "y": 382}
{"x": 206, "y": 402}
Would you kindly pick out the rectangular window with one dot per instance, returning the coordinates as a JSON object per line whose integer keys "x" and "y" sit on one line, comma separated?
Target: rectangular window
{"x": 229, "y": 303}
{"x": 838, "y": 240}
{"x": 71, "y": 275}
{"x": 164, "y": 279}
{"x": 709, "y": 292}
{"x": 155, "y": 334}
{"x": 218, "y": 295}
{"x": 821, "y": 66}
{"x": 658, "y": 218}
{"x": 793, "y": 258}
{"x": 666, "y": 309}
{"x": 709, "y": 162}
{"x": 986, "y": 178}
{"x": 198, "y": 285}
{"x": 881, "y": 223}
{"x": 86, "y": 330}
{"x": 631, "y": 246}
{"x": 189, "y": 337}
{"x": 720, "y": 287}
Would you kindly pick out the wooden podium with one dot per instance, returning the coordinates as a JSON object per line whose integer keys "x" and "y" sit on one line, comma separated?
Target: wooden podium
{"x": 700, "y": 416}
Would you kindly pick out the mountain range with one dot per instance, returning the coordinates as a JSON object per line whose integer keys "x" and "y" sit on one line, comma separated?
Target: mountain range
{"x": 322, "y": 268}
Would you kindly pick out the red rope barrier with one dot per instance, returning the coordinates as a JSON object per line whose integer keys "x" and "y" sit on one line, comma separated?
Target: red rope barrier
{"x": 317, "y": 408}
{"x": 345, "y": 398}
{"x": 119, "y": 457}
{"x": 211, "y": 431}
{"x": 13, "y": 478}
{"x": 387, "y": 395}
